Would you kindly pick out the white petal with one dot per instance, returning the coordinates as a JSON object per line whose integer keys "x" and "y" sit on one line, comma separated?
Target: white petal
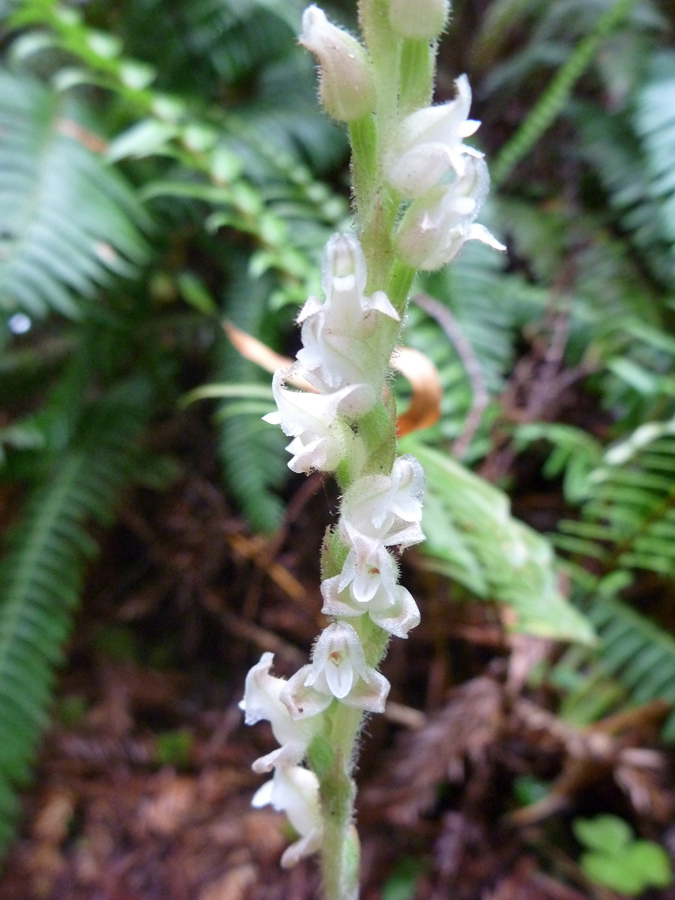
{"x": 263, "y": 796}
{"x": 301, "y": 700}
{"x": 296, "y": 792}
{"x": 369, "y": 693}
{"x": 401, "y": 617}
{"x": 339, "y": 674}
{"x": 302, "y": 848}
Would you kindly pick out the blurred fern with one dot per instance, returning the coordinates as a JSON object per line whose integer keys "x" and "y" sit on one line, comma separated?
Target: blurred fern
{"x": 555, "y": 97}
{"x": 472, "y": 538}
{"x": 67, "y": 220}
{"x": 41, "y": 575}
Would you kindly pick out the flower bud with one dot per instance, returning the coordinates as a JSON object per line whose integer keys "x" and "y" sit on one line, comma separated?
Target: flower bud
{"x": 347, "y": 86}
{"x": 421, "y": 20}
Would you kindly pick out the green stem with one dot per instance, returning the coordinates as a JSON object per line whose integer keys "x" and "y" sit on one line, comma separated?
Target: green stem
{"x": 417, "y": 75}
{"x": 340, "y": 846}
{"x": 363, "y": 139}
{"x": 398, "y": 287}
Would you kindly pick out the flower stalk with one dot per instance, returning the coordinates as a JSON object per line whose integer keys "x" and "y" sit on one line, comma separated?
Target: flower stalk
{"x": 418, "y": 189}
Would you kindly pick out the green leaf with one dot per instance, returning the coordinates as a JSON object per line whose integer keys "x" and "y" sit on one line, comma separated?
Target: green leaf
{"x": 68, "y": 222}
{"x": 472, "y": 537}
{"x": 607, "y": 833}
{"x": 652, "y": 862}
{"x": 614, "y": 872}
{"x": 145, "y": 138}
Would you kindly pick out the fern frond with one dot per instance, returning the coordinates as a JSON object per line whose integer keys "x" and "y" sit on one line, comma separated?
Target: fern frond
{"x": 472, "y": 537}
{"x": 41, "y": 578}
{"x": 629, "y": 505}
{"x": 206, "y": 43}
{"x": 632, "y": 650}
{"x": 251, "y": 451}
{"x": 67, "y": 221}
{"x": 555, "y": 97}
{"x": 655, "y": 125}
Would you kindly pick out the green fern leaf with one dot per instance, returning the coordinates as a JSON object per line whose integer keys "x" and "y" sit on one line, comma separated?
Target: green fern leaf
{"x": 633, "y": 650}
{"x": 472, "y": 537}
{"x": 67, "y": 221}
{"x": 41, "y": 578}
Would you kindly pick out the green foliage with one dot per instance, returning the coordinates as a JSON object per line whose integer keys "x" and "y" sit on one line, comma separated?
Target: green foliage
{"x": 627, "y": 514}
{"x": 615, "y": 859}
{"x": 67, "y": 220}
{"x": 402, "y": 883}
{"x": 174, "y": 748}
{"x": 472, "y": 538}
{"x": 554, "y": 99}
{"x": 41, "y": 576}
{"x": 625, "y": 524}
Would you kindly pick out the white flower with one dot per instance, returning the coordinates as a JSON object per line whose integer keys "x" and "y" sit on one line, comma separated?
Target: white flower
{"x": 430, "y": 144}
{"x": 347, "y": 86}
{"x": 338, "y": 670}
{"x": 386, "y": 507}
{"x": 344, "y": 338}
{"x": 261, "y": 701}
{"x": 317, "y": 422}
{"x": 368, "y": 584}
{"x": 295, "y": 791}
{"x": 436, "y": 226}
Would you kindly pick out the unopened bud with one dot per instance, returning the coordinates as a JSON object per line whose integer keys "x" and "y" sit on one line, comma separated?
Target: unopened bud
{"x": 421, "y": 20}
{"x": 346, "y": 80}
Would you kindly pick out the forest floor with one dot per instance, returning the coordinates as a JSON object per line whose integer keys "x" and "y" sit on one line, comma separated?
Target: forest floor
{"x": 143, "y": 782}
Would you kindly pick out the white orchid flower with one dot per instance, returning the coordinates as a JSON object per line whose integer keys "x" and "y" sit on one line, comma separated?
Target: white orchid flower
{"x": 435, "y": 227}
{"x": 386, "y": 507}
{"x": 317, "y": 422}
{"x": 368, "y": 584}
{"x": 261, "y": 702}
{"x": 338, "y": 670}
{"x": 295, "y": 791}
{"x": 430, "y": 144}
{"x": 343, "y": 342}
